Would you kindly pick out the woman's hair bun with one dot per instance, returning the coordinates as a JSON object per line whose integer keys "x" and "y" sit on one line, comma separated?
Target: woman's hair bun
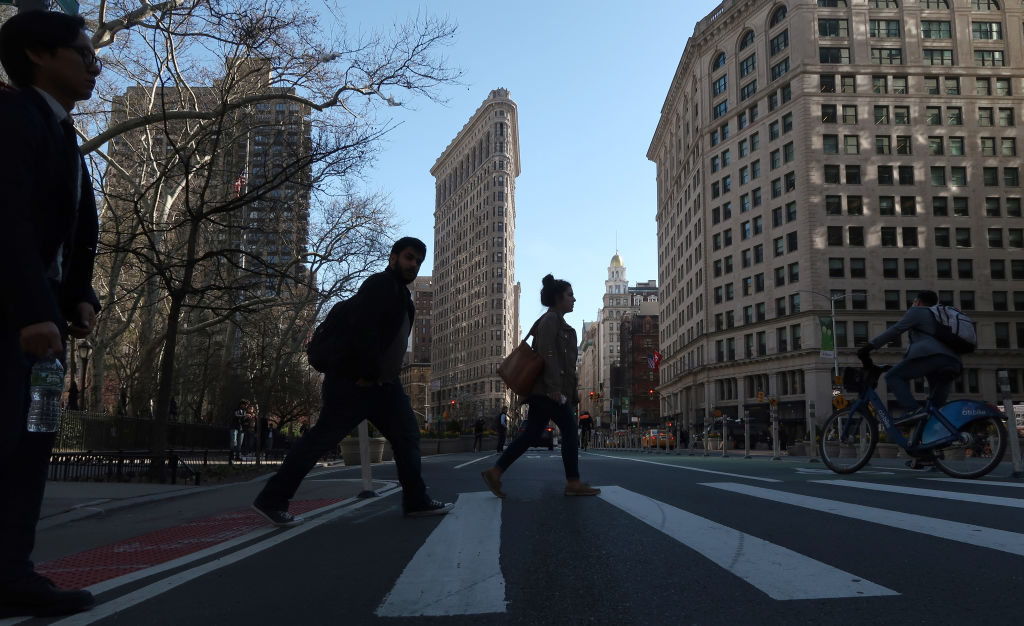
{"x": 548, "y": 281}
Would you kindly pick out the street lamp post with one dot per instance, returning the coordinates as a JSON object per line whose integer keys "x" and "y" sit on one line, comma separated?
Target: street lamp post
{"x": 84, "y": 349}
{"x": 426, "y": 400}
{"x": 835, "y": 368}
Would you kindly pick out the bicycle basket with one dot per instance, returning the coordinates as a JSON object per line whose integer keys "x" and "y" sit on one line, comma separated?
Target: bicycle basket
{"x": 853, "y": 379}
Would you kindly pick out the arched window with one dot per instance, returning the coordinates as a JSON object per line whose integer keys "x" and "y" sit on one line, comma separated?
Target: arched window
{"x": 719, "y": 62}
{"x": 985, "y": 5}
{"x": 936, "y": 4}
{"x": 747, "y": 39}
{"x": 777, "y": 16}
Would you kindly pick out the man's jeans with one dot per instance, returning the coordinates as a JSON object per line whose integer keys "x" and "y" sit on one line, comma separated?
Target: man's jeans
{"x": 542, "y": 410}
{"x": 344, "y": 405}
{"x": 899, "y": 377}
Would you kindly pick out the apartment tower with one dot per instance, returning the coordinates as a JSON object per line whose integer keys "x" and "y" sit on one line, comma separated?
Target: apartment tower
{"x": 846, "y": 153}
{"x": 474, "y": 316}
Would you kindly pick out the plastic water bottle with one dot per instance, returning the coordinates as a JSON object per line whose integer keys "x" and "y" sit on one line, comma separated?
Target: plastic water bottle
{"x": 47, "y": 385}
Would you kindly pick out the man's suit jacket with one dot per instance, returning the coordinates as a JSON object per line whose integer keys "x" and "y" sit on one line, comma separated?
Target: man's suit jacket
{"x": 38, "y": 216}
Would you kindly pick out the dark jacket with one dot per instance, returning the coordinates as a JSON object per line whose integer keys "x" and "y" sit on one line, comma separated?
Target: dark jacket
{"x": 374, "y": 324}
{"x": 556, "y": 342}
{"x": 921, "y": 325}
{"x": 37, "y": 217}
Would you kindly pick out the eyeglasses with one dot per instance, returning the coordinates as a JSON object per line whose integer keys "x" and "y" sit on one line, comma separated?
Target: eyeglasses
{"x": 88, "y": 56}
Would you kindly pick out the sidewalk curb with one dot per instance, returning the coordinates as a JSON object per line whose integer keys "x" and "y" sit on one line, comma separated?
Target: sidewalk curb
{"x": 84, "y": 511}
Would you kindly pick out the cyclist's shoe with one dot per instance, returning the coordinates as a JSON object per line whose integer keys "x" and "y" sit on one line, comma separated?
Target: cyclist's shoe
{"x": 908, "y": 416}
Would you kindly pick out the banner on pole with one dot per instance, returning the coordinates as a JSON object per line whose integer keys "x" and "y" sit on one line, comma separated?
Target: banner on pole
{"x": 828, "y": 342}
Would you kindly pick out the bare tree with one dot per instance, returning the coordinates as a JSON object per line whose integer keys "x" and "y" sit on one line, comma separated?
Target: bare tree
{"x": 191, "y": 196}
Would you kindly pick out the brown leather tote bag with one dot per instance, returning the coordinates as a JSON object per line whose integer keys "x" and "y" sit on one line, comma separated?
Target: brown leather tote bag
{"x": 521, "y": 367}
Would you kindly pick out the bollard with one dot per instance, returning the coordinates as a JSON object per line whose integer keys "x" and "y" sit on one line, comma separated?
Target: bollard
{"x": 746, "y": 436}
{"x": 364, "y": 461}
{"x": 1011, "y": 424}
{"x": 776, "y": 452}
{"x": 812, "y": 442}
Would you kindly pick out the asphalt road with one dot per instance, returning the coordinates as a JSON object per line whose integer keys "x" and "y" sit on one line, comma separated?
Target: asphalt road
{"x": 671, "y": 540}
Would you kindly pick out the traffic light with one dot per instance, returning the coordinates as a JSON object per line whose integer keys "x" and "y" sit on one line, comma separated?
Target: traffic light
{"x": 453, "y": 403}
{"x": 591, "y": 395}
{"x": 650, "y": 394}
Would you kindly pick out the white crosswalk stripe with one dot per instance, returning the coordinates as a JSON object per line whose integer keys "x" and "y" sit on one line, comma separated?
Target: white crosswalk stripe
{"x": 971, "y": 534}
{"x": 779, "y": 572}
{"x": 928, "y": 493}
{"x": 978, "y": 483}
{"x": 456, "y": 570}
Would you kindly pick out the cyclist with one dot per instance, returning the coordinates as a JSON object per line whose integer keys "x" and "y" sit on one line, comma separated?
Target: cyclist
{"x": 925, "y": 357}
{"x": 586, "y": 426}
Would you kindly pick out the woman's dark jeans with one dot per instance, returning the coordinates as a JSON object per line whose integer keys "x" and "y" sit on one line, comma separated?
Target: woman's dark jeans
{"x": 542, "y": 410}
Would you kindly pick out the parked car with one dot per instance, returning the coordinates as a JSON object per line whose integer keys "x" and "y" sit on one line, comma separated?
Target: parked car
{"x": 546, "y": 438}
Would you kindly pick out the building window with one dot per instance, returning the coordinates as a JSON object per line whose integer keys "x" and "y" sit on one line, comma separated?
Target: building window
{"x": 986, "y": 30}
{"x": 833, "y": 28}
{"x": 938, "y": 57}
{"x": 834, "y": 55}
{"x": 779, "y": 43}
{"x": 989, "y": 58}
{"x": 931, "y": 29}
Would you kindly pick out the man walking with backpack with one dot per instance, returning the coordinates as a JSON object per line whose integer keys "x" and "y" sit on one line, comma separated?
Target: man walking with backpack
{"x": 927, "y": 356}
{"x": 362, "y": 383}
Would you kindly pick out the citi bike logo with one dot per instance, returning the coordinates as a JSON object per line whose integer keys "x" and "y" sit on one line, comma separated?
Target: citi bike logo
{"x": 975, "y": 411}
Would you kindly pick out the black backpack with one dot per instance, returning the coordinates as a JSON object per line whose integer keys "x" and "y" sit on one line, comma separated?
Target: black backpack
{"x": 331, "y": 340}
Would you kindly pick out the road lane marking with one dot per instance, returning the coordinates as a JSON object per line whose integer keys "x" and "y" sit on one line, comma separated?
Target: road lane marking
{"x": 1002, "y": 540}
{"x": 779, "y": 572}
{"x": 456, "y": 570}
{"x": 928, "y": 493}
{"x": 982, "y": 482}
{"x": 483, "y": 458}
{"x": 692, "y": 469}
{"x": 122, "y": 603}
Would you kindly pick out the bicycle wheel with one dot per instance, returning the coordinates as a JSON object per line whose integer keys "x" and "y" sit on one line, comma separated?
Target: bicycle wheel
{"x": 848, "y": 440}
{"x": 980, "y": 449}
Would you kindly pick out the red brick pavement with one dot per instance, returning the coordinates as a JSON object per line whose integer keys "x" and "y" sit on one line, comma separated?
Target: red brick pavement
{"x": 138, "y": 553}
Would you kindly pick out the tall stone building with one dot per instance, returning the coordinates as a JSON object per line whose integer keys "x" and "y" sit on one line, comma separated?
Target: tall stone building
{"x": 846, "y": 152}
{"x": 619, "y": 300}
{"x": 474, "y": 317}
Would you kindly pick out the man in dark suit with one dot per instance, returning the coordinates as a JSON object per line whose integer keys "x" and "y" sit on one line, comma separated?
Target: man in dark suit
{"x": 364, "y": 385}
{"x": 47, "y": 245}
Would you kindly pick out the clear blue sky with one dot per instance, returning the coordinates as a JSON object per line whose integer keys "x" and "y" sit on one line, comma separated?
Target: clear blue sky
{"x": 589, "y": 79}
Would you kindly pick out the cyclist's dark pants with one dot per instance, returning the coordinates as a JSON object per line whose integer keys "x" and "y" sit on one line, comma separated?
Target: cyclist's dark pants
{"x": 934, "y": 368}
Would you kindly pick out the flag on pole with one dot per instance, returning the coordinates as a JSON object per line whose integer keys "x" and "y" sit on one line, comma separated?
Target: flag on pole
{"x": 240, "y": 184}
{"x": 653, "y": 360}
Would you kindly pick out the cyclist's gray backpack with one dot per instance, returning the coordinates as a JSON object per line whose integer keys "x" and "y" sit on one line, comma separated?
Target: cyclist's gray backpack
{"x": 955, "y": 329}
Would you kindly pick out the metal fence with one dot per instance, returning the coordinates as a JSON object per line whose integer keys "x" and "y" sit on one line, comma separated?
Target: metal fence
{"x": 120, "y": 466}
{"x": 80, "y": 431}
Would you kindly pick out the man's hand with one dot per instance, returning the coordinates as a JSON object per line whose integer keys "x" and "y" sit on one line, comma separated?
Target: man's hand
{"x": 86, "y": 321}
{"x": 40, "y": 339}
{"x": 864, "y": 353}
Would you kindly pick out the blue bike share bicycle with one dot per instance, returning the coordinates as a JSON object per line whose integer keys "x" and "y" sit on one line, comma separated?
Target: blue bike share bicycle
{"x": 964, "y": 438}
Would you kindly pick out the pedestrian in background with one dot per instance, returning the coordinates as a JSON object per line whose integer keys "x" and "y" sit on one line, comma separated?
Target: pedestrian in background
{"x": 502, "y": 428}
{"x": 586, "y": 429}
{"x": 551, "y": 395}
{"x": 478, "y": 435}
{"x": 47, "y": 248}
{"x": 366, "y": 386}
